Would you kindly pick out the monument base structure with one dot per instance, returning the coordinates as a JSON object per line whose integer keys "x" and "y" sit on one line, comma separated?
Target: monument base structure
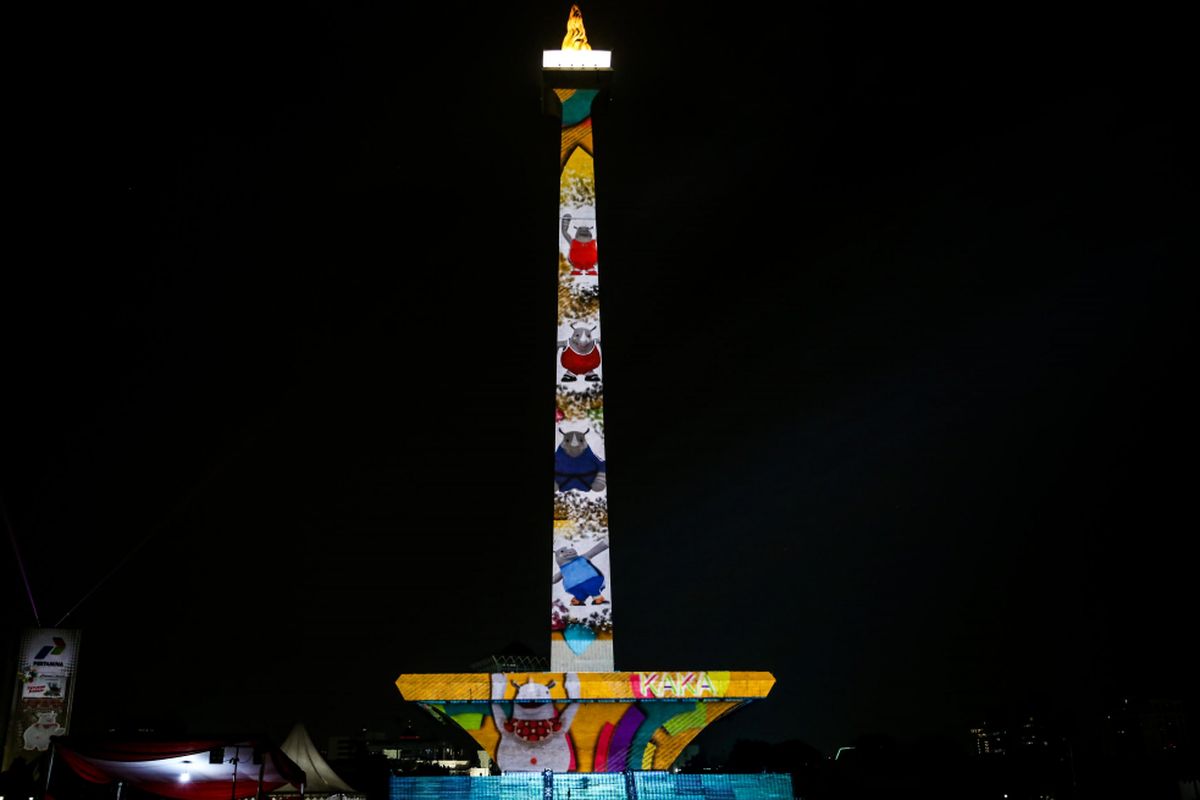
{"x": 587, "y": 721}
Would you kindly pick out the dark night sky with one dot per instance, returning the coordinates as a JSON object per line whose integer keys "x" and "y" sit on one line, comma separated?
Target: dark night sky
{"x": 897, "y": 329}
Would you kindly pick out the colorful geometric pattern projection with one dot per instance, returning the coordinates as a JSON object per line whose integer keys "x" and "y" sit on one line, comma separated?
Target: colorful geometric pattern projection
{"x": 585, "y": 722}
{"x": 636, "y": 786}
{"x": 581, "y": 599}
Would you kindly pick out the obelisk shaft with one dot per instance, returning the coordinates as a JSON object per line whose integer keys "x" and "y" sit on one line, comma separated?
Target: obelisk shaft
{"x": 581, "y": 577}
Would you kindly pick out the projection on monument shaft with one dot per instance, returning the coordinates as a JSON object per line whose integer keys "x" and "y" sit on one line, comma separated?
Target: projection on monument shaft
{"x": 582, "y": 716}
{"x": 581, "y": 613}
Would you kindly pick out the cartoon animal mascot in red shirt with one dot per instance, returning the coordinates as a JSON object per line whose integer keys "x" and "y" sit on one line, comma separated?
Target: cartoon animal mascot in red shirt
{"x": 580, "y": 354}
{"x": 582, "y": 254}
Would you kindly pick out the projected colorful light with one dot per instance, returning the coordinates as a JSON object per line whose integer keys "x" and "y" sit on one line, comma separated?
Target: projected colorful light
{"x": 640, "y": 785}
{"x": 581, "y": 599}
{"x": 584, "y": 722}
{"x": 582, "y": 716}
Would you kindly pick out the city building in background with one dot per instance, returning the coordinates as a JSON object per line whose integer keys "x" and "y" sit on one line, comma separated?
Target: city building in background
{"x": 989, "y": 740}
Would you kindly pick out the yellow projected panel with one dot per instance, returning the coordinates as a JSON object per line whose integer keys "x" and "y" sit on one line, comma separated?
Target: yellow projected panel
{"x": 596, "y": 686}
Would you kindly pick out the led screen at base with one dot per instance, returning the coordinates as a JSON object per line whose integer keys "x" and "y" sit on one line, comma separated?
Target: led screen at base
{"x": 634, "y": 786}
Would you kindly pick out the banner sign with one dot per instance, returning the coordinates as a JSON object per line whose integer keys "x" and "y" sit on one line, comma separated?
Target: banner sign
{"x": 46, "y": 665}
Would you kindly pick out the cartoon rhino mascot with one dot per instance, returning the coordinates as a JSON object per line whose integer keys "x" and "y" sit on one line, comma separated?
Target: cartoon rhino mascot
{"x": 582, "y": 251}
{"x": 37, "y": 736}
{"x": 536, "y": 738}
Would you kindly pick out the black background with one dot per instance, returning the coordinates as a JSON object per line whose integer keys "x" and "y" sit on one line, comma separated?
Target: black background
{"x": 896, "y": 325}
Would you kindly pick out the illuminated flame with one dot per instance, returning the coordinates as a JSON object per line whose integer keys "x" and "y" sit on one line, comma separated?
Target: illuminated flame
{"x": 576, "y": 38}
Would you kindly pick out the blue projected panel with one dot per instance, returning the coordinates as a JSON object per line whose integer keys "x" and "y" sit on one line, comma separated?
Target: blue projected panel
{"x": 596, "y": 786}
{"x": 516, "y": 786}
{"x": 584, "y": 786}
{"x": 709, "y": 786}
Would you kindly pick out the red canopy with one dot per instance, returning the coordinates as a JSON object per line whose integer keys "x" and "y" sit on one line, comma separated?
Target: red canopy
{"x": 182, "y": 769}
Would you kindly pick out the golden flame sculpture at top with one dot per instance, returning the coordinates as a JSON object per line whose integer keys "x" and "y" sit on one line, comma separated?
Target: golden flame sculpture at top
{"x": 576, "y": 38}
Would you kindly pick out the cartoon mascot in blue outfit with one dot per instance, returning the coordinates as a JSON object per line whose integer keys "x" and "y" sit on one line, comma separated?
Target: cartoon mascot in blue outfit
{"x": 579, "y": 575}
{"x": 576, "y": 466}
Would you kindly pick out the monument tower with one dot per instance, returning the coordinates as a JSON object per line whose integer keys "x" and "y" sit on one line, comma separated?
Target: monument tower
{"x": 583, "y": 715}
{"x": 581, "y": 634}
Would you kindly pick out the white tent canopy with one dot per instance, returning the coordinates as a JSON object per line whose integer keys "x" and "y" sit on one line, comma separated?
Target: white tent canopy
{"x": 322, "y": 780}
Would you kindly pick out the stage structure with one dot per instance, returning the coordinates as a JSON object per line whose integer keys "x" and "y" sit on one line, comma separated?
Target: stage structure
{"x": 583, "y": 716}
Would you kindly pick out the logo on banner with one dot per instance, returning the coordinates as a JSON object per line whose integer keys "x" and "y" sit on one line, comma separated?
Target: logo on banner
{"x": 45, "y": 657}
{"x": 55, "y": 649}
